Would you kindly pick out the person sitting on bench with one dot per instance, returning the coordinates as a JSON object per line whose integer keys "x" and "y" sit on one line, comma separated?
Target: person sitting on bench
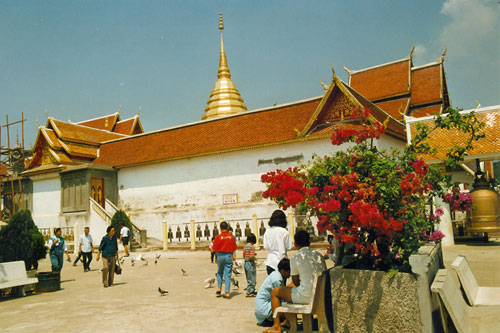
{"x": 303, "y": 266}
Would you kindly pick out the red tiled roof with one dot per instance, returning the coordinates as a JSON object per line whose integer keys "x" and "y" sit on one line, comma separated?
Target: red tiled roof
{"x": 394, "y": 107}
{"x": 383, "y": 81}
{"x": 82, "y": 134}
{"x": 424, "y": 112}
{"x": 51, "y": 138}
{"x": 442, "y": 140}
{"x": 243, "y": 131}
{"x": 100, "y": 123}
{"x": 426, "y": 84}
{"x": 129, "y": 126}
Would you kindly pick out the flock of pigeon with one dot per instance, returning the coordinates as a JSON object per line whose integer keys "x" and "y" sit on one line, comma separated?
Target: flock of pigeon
{"x": 210, "y": 282}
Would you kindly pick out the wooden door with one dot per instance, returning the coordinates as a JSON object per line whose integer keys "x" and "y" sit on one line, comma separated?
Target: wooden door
{"x": 97, "y": 190}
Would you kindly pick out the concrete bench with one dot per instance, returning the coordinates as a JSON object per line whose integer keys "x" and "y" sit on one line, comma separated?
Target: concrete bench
{"x": 13, "y": 274}
{"x": 463, "y": 317}
{"x": 475, "y": 294}
{"x": 315, "y": 307}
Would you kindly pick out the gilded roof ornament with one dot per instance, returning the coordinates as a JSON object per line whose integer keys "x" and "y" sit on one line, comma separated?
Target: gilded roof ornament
{"x": 325, "y": 87}
{"x": 347, "y": 70}
{"x": 412, "y": 51}
{"x": 225, "y": 99}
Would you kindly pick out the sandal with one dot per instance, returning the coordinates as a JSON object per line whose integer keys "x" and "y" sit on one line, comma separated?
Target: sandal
{"x": 218, "y": 294}
{"x": 227, "y": 296}
{"x": 250, "y": 295}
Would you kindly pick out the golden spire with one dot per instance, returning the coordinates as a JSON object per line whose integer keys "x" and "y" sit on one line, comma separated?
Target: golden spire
{"x": 225, "y": 98}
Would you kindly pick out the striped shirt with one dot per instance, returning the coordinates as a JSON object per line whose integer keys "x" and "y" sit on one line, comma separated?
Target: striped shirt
{"x": 249, "y": 252}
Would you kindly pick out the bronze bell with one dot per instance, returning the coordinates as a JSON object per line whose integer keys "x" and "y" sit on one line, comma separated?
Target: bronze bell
{"x": 198, "y": 232}
{"x": 170, "y": 234}
{"x": 216, "y": 231}
{"x": 262, "y": 229}
{"x": 485, "y": 215}
{"x": 178, "y": 233}
{"x": 237, "y": 232}
{"x": 186, "y": 232}
{"x": 248, "y": 231}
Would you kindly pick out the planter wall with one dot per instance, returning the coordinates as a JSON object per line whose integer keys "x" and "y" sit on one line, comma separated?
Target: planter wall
{"x": 370, "y": 301}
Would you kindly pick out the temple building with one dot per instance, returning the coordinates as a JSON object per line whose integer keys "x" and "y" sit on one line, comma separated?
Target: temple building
{"x": 82, "y": 172}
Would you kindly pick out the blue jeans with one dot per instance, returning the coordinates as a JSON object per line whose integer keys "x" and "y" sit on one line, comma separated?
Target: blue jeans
{"x": 56, "y": 259}
{"x": 251, "y": 274}
{"x": 225, "y": 266}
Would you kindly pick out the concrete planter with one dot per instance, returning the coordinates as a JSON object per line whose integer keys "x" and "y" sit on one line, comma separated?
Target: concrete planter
{"x": 368, "y": 301}
{"x": 30, "y": 287}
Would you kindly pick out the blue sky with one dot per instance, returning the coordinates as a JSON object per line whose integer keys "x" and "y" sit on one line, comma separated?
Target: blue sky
{"x": 84, "y": 59}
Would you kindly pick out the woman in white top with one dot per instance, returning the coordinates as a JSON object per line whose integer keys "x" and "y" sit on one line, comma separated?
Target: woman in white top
{"x": 277, "y": 240}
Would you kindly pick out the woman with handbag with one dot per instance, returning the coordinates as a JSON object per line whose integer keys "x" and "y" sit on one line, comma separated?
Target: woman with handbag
{"x": 109, "y": 249}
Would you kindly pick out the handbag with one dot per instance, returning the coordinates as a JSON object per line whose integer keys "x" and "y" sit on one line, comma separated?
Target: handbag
{"x": 118, "y": 268}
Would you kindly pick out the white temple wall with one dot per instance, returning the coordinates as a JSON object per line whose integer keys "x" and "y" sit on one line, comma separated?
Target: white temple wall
{"x": 209, "y": 187}
{"x": 46, "y": 200}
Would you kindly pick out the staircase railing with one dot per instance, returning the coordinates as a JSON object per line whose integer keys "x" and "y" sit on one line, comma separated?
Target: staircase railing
{"x": 138, "y": 233}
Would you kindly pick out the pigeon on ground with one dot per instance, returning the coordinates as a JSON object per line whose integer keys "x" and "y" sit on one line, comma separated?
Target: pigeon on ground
{"x": 145, "y": 263}
{"x": 210, "y": 283}
{"x": 184, "y": 272}
{"x": 236, "y": 271}
{"x": 157, "y": 258}
{"x": 122, "y": 260}
{"x": 235, "y": 283}
{"x": 140, "y": 257}
{"x": 133, "y": 261}
{"x": 162, "y": 292}
{"x": 238, "y": 263}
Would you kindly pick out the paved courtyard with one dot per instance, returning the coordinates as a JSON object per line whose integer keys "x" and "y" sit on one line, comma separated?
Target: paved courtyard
{"x": 133, "y": 304}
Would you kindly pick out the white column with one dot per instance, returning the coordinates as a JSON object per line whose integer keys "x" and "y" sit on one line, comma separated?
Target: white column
{"x": 76, "y": 234}
{"x": 445, "y": 225}
{"x": 165, "y": 238}
{"x": 255, "y": 228}
{"x": 291, "y": 220}
{"x": 193, "y": 239}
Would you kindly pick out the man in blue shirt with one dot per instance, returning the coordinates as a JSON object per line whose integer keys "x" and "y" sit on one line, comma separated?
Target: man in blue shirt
{"x": 263, "y": 310}
{"x": 108, "y": 248}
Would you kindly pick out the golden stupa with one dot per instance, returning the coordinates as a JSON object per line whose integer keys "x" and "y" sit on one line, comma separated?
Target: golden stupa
{"x": 225, "y": 98}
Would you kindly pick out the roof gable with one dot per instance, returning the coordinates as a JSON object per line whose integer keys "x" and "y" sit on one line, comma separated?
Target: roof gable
{"x": 130, "y": 126}
{"x": 106, "y": 123}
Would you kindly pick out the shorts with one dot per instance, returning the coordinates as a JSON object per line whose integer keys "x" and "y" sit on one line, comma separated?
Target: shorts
{"x": 298, "y": 298}
{"x": 125, "y": 240}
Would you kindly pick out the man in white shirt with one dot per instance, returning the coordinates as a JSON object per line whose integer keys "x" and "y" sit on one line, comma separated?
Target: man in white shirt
{"x": 85, "y": 248}
{"x": 303, "y": 266}
{"x": 124, "y": 238}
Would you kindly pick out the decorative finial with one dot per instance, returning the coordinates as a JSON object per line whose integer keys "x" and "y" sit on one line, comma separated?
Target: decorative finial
{"x": 46, "y": 114}
{"x": 478, "y": 105}
{"x": 38, "y": 124}
{"x": 444, "y": 54}
{"x": 139, "y": 112}
{"x": 221, "y": 22}
{"x": 333, "y": 72}
{"x": 325, "y": 87}
{"x": 412, "y": 51}
{"x": 347, "y": 70}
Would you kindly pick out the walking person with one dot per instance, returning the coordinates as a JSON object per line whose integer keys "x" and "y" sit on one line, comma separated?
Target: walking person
{"x": 277, "y": 240}
{"x": 250, "y": 266}
{"x": 85, "y": 249}
{"x": 57, "y": 246}
{"x": 124, "y": 238}
{"x": 109, "y": 249}
{"x": 224, "y": 245}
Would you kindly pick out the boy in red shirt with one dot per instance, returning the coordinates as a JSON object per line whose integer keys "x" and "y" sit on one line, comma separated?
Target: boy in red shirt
{"x": 224, "y": 245}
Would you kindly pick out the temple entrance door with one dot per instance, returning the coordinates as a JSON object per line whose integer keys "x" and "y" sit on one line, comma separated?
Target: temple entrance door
{"x": 97, "y": 190}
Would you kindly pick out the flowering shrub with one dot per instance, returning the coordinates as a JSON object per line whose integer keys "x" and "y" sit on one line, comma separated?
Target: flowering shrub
{"x": 458, "y": 201}
{"x": 374, "y": 201}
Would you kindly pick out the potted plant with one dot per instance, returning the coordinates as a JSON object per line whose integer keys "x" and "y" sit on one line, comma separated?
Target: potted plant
{"x": 375, "y": 202}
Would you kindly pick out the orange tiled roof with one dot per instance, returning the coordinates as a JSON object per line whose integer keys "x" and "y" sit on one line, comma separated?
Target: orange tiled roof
{"x": 80, "y": 150}
{"x": 101, "y": 122}
{"x": 424, "y": 112}
{"x": 82, "y": 134}
{"x": 395, "y": 107}
{"x": 242, "y": 131}
{"x": 383, "y": 81}
{"x": 51, "y": 138}
{"x": 442, "y": 140}
{"x": 426, "y": 84}
{"x": 130, "y": 126}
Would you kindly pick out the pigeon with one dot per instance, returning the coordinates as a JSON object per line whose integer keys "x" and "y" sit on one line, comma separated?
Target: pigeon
{"x": 238, "y": 263}
{"x": 184, "y": 272}
{"x": 133, "y": 261}
{"x": 236, "y": 271}
{"x": 210, "y": 283}
{"x": 157, "y": 258}
{"x": 140, "y": 257}
{"x": 145, "y": 263}
{"x": 156, "y": 261}
{"x": 122, "y": 260}
{"x": 162, "y": 292}
{"x": 235, "y": 283}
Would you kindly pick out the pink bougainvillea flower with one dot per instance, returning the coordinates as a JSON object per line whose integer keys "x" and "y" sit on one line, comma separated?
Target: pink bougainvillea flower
{"x": 436, "y": 236}
{"x": 439, "y": 211}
